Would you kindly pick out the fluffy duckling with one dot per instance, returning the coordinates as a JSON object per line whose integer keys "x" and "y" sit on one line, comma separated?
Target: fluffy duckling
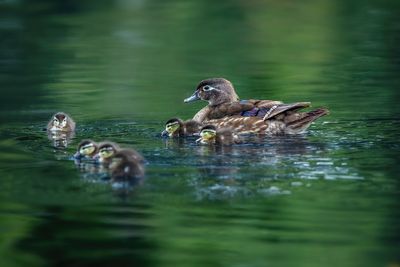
{"x": 176, "y": 127}
{"x": 223, "y": 101}
{"x": 126, "y": 165}
{"x": 87, "y": 149}
{"x": 211, "y": 135}
{"x": 106, "y": 150}
{"x": 61, "y": 122}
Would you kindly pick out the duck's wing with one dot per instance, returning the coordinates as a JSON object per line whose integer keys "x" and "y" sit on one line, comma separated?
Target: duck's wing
{"x": 274, "y": 110}
{"x": 300, "y": 121}
{"x": 232, "y": 109}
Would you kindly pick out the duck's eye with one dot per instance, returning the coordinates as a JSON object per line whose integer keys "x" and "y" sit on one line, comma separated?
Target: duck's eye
{"x": 207, "y": 88}
{"x": 55, "y": 121}
{"x": 87, "y": 149}
{"x": 106, "y": 152}
{"x": 172, "y": 127}
{"x": 207, "y": 134}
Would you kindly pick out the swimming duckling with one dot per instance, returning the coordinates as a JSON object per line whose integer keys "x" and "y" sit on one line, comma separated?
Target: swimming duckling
{"x": 87, "y": 149}
{"x": 106, "y": 150}
{"x": 126, "y": 167}
{"x": 176, "y": 127}
{"x": 211, "y": 135}
{"x": 61, "y": 122}
{"x": 223, "y": 101}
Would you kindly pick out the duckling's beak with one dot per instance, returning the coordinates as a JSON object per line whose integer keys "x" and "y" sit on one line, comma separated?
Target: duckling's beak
{"x": 194, "y": 97}
{"x": 164, "y": 133}
{"x": 97, "y": 158}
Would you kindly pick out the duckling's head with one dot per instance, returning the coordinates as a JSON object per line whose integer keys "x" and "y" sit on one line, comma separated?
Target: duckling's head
{"x": 215, "y": 90}
{"x": 172, "y": 127}
{"x": 208, "y": 135}
{"x": 86, "y": 148}
{"x": 106, "y": 150}
{"x": 61, "y": 122}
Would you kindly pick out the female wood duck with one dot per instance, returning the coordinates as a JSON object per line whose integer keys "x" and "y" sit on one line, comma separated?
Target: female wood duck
{"x": 211, "y": 135}
{"x": 106, "y": 150}
{"x": 223, "y": 101}
{"x": 176, "y": 127}
{"x": 126, "y": 165}
{"x": 61, "y": 122}
{"x": 87, "y": 149}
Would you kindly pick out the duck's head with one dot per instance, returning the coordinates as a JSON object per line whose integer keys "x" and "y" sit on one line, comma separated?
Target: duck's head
{"x": 208, "y": 135}
{"x": 61, "y": 122}
{"x": 86, "y": 148}
{"x": 172, "y": 127}
{"x": 106, "y": 150}
{"x": 215, "y": 90}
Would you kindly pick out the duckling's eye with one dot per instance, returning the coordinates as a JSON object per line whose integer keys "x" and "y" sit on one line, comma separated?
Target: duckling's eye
{"x": 207, "y": 88}
{"x": 106, "y": 152}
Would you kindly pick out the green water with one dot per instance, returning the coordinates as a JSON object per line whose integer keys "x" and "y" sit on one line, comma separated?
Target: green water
{"x": 122, "y": 68}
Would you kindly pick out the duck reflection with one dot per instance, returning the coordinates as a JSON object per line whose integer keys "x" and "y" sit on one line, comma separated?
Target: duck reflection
{"x": 222, "y": 168}
{"x": 60, "y": 140}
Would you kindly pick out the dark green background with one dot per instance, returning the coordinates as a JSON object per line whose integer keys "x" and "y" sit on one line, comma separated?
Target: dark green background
{"x": 122, "y": 68}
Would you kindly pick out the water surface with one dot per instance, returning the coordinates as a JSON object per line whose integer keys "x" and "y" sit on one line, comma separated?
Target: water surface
{"x": 328, "y": 197}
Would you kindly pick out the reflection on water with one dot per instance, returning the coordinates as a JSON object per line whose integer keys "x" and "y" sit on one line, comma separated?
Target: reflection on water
{"x": 122, "y": 68}
{"x": 60, "y": 139}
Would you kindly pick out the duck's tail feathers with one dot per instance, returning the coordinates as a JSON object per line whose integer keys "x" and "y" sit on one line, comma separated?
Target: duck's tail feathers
{"x": 299, "y": 122}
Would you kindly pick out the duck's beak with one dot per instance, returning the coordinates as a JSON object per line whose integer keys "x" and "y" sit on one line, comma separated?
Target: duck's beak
{"x": 77, "y": 155}
{"x": 192, "y": 98}
{"x": 96, "y": 158}
{"x": 164, "y": 133}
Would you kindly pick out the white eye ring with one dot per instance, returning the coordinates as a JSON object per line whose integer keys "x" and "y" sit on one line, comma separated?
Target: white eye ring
{"x": 207, "y": 88}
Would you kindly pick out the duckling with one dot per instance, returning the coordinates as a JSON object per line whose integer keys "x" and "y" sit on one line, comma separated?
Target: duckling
{"x": 106, "y": 150}
{"x": 223, "y": 102}
{"x": 61, "y": 122}
{"x": 126, "y": 164}
{"x": 87, "y": 149}
{"x": 211, "y": 135}
{"x": 176, "y": 127}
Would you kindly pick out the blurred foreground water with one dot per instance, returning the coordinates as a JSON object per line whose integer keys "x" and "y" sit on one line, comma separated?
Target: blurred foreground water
{"x": 122, "y": 68}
